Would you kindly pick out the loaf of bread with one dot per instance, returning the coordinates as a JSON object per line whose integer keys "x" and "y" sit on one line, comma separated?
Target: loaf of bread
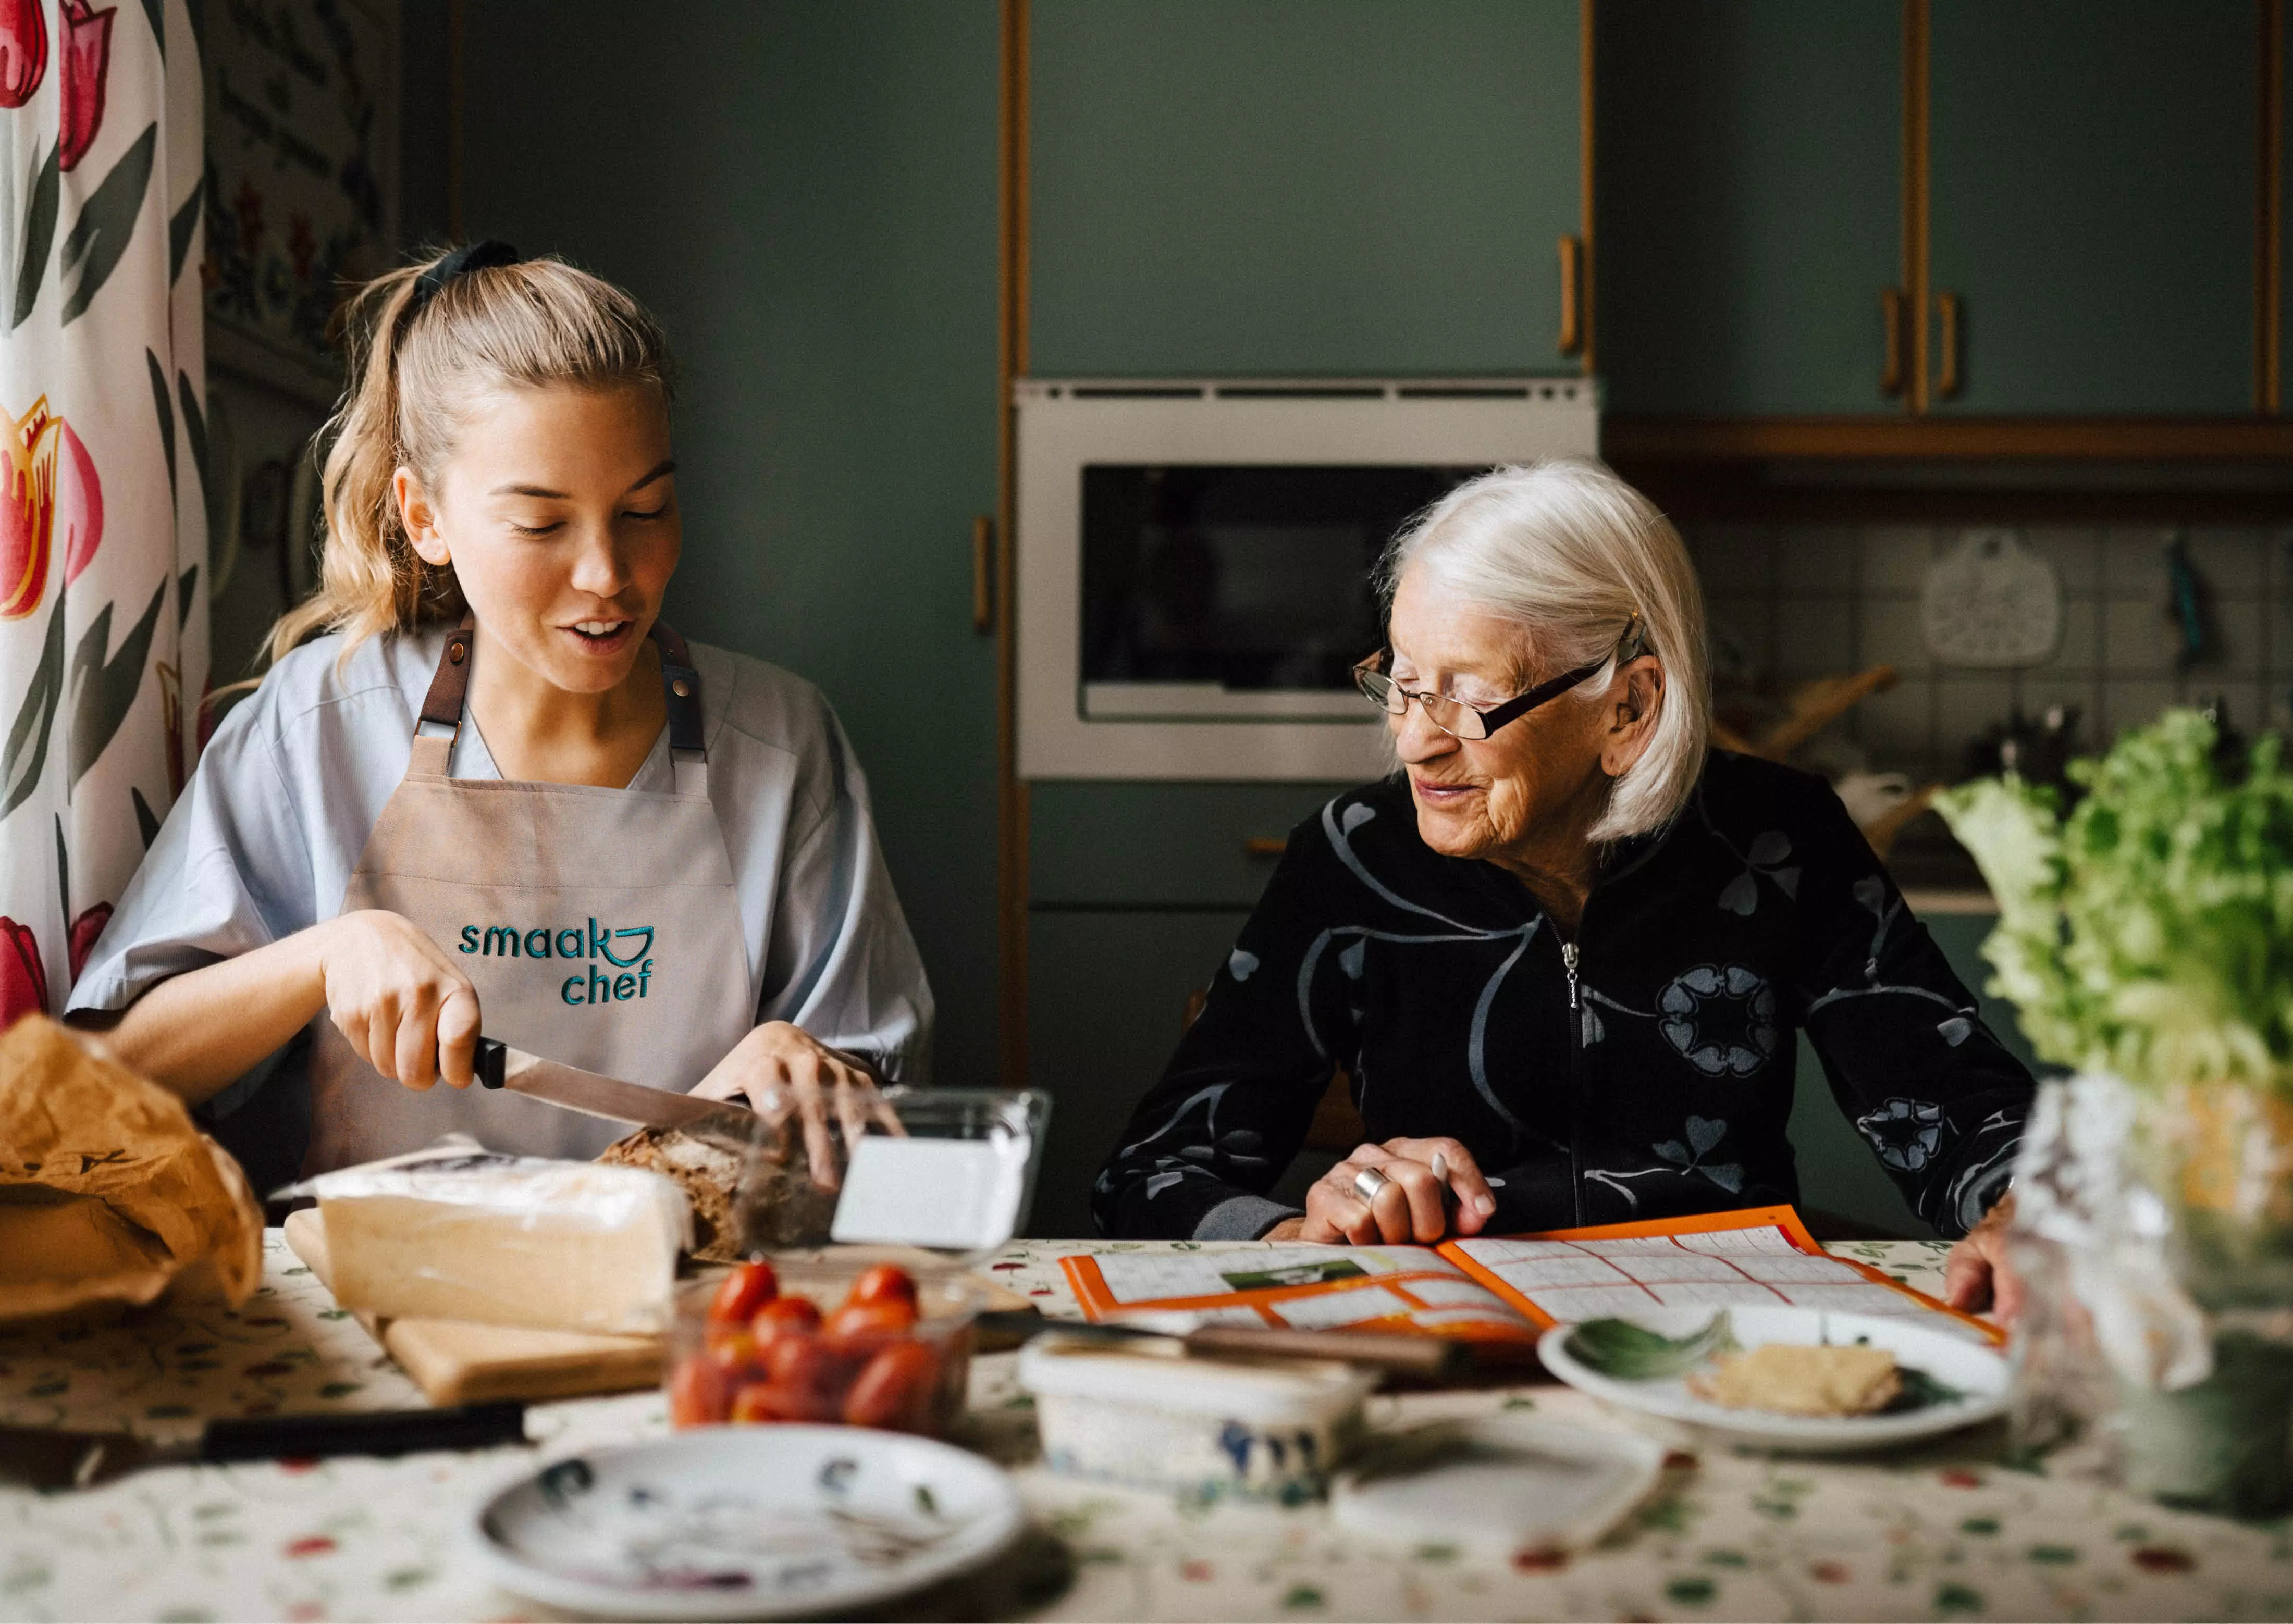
{"x": 742, "y": 1201}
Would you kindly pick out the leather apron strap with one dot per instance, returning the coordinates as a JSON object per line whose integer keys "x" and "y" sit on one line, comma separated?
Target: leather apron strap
{"x": 443, "y": 707}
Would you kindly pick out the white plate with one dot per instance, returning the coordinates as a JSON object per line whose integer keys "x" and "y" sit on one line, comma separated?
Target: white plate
{"x": 1501, "y": 1481}
{"x": 746, "y": 1523}
{"x": 1943, "y": 1351}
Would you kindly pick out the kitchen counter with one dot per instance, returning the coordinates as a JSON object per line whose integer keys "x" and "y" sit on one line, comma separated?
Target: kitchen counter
{"x": 1946, "y": 1533}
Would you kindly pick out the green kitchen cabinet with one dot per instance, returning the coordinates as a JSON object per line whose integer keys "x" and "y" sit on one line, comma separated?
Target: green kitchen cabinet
{"x": 1748, "y": 160}
{"x": 807, "y": 195}
{"x": 2284, "y": 401}
{"x": 2092, "y": 205}
{"x": 1301, "y": 187}
{"x": 1140, "y": 844}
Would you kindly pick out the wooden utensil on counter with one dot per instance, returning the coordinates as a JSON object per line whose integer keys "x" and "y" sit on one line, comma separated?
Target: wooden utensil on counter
{"x": 1811, "y": 707}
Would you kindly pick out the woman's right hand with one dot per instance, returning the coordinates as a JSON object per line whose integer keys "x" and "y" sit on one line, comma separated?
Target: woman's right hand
{"x": 399, "y": 1001}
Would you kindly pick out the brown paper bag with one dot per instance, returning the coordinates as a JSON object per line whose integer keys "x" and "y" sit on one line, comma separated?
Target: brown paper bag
{"x": 107, "y": 1192}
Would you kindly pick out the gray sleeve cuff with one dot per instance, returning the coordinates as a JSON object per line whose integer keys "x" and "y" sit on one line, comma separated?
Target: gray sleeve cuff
{"x": 1242, "y": 1217}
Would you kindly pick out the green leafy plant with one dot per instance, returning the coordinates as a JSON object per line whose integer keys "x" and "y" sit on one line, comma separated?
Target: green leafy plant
{"x": 2148, "y": 932}
{"x": 1631, "y": 1353}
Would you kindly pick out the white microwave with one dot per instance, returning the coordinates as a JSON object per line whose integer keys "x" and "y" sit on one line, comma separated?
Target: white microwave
{"x": 1195, "y": 558}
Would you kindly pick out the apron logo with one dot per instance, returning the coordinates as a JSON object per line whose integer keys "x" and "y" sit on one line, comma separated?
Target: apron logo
{"x": 594, "y": 986}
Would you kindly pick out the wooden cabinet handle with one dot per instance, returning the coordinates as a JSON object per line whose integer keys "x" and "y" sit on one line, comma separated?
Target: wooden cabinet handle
{"x": 1572, "y": 292}
{"x": 1947, "y": 322}
{"x": 983, "y": 574}
{"x": 1890, "y": 312}
{"x": 1258, "y": 845}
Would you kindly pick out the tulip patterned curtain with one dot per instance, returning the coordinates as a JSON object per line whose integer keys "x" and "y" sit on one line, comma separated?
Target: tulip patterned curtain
{"x": 103, "y": 634}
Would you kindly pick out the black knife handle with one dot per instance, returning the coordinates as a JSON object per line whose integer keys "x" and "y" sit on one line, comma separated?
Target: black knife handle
{"x": 489, "y": 1061}
{"x": 387, "y": 1432}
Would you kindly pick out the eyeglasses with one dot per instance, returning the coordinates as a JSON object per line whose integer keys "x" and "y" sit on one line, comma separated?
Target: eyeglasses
{"x": 1460, "y": 719}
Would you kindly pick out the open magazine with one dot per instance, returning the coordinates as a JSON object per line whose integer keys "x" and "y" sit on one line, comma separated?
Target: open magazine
{"x": 1508, "y": 1289}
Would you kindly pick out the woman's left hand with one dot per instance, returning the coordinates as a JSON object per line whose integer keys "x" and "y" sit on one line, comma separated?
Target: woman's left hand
{"x": 779, "y": 1068}
{"x": 1977, "y": 1275}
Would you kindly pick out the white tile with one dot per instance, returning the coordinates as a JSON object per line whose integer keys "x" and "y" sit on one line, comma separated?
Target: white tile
{"x": 1814, "y": 636}
{"x": 2134, "y": 560}
{"x": 1966, "y": 708}
{"x": 1896, "y": 556}
{"x": 2232, "y": 561}
{"x": 1733, "y": 558}
{"x": 2138, "y": 640}
{"x": 2075, "y": 550}
{"x": 2080, "y": 650}
{"x": 2236, "y": 631}
{"x": 2133, "y": 702}
{"x": 1898, "y": 726}
{"x": 1816, "y": 561}
{"x": 1891, "y": 636}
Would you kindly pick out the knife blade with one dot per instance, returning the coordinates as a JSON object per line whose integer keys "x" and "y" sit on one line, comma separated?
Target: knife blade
{"x": 1431, "y": 1358}
{"x": 499, "y": 1066}
{"x": 44, "y": 1458}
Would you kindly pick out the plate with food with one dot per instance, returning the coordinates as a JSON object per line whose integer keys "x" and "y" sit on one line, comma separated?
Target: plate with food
{"x": 1801, "y": 1379}
{"x": 739, "y": 1523}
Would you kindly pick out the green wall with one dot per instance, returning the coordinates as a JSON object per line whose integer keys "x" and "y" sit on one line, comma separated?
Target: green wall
{"x": 806, "y": 194}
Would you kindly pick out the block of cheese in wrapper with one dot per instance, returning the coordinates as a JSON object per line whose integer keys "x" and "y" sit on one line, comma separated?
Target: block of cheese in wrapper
{"x": 458, "y": 1232}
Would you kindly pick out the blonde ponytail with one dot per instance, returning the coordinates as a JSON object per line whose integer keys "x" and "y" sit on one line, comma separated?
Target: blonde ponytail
{"x": 414, "y": 365}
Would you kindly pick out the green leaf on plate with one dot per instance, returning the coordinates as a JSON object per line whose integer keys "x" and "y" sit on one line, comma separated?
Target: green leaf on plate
{"x": 1920, "y": 1391}
{"x": 1631, "y": 1353}
{"x": 100, "y": 236}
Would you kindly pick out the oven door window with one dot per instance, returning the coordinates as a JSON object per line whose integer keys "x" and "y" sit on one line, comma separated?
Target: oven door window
{"x": 1237, "y": 591}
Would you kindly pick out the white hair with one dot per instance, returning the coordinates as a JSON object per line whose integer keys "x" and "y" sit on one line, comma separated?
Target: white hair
{"x": 1570, "y": 553}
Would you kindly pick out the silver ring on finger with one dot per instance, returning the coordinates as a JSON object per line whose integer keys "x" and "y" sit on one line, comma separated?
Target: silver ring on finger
{"x": 1368, "y": 1181}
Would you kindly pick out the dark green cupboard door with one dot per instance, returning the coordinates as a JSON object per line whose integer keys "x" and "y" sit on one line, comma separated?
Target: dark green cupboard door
{"x": 1748, "y": 188}
{"x": 1300, "y": 186}
{"x": 2092, "y": 203}
{"x": 807, "y": 193}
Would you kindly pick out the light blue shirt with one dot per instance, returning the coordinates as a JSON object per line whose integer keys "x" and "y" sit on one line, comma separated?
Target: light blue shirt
{"x": 263, "y": 840}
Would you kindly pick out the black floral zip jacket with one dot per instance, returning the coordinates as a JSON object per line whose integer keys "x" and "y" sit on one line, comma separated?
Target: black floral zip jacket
{"x": 1641, "y": 1069}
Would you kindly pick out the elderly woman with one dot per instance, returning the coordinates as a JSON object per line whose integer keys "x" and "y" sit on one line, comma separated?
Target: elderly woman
{"x": 1564, "y": 952}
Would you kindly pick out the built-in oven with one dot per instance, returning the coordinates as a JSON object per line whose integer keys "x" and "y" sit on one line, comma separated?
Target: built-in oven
{"x": 1195, "y": 559}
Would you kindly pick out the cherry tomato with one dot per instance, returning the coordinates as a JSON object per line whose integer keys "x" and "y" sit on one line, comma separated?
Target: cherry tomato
{"x": 698, "y": 1395}
{"x": 769, "y": 1401}
{"x": 785, "y": 1313}
{"x": 747, "y": 1289}
{"x": 802, "y": 1361}
{"x": 884, "y": 1283}
{"x": 866, "y": 1321}
{"x": 733, "y": 1349}
{"x": 894, "y": 1389}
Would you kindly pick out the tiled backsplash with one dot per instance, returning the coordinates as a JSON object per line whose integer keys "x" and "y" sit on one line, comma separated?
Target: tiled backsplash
{"x": 1798, "y": 601}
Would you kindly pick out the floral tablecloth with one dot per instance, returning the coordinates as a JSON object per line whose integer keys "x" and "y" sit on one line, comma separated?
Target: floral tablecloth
{"x": 1949, "y": 1533}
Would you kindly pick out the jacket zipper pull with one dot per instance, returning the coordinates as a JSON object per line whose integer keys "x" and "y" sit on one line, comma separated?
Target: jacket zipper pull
{"x": 1569, "y": 958}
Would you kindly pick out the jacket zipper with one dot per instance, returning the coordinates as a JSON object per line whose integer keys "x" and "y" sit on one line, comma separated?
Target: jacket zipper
{"x": 1569, "y": 954}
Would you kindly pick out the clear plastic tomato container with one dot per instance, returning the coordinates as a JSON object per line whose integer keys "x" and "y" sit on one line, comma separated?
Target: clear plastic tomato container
{"x": 824, "y": 1364}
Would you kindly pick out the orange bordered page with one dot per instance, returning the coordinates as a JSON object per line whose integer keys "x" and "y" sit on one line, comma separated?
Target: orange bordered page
{"x": 1505, "y": 1288}
{"x": 1310, "y": 1288}
{"x": 1762, "y": 1255}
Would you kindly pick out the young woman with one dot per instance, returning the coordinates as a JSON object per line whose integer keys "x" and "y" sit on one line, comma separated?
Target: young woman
{"x": 499, "y": 795}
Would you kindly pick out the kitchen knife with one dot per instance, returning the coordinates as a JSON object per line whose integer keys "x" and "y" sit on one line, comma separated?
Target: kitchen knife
{"x": 40, "y": 1458}
{"x": 1433, "y": 1358}
{"x": 500, "y": 1066}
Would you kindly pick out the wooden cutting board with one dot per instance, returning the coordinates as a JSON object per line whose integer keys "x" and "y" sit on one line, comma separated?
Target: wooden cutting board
{"x": 459, "y": 1361}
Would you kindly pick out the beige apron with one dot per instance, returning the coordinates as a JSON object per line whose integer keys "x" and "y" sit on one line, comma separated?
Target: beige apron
{"x": 600, "y": 927}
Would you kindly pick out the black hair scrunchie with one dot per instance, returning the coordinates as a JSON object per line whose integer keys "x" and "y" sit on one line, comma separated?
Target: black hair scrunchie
{"x": 472, "y": 256}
